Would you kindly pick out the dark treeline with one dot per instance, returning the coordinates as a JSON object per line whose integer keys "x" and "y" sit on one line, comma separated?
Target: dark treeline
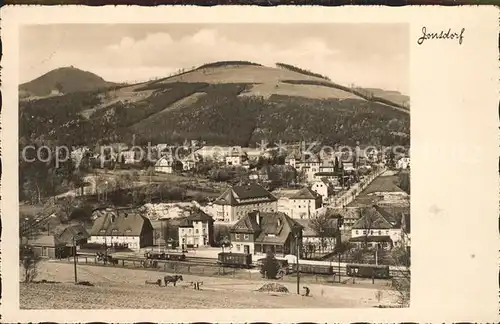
{"x": 301, "y": 71}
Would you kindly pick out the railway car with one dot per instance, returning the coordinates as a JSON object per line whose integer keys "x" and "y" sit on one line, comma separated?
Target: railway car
{"x": 368, "y": 271}
{"x": 314, "y": 269}
{"x": 237, "y": 260}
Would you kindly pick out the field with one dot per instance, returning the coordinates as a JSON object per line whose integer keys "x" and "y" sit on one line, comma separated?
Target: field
{"x": 124, "y": 288}
{"x": 383, "y": 183}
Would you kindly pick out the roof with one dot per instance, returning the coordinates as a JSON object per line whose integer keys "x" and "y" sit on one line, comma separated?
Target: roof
{"x": 306, "y": 193}
{"x": 120, "y": 222}
{"x": 371, "y": 238}
{"x": 309, "y": 231}
{"x": 244, "y": 194}
{"x": 67, "y": 233}
{"x": 247, "y": 224}
{"x": 375, "y": 218}
{"x": 347, "y": 213}
{"x": 274, "y": 227}
{"x": 197, "y": 215}
{"x": 46, "y": 240}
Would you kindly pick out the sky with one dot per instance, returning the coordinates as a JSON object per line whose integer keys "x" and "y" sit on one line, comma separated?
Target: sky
{"x": 367, "y": 55}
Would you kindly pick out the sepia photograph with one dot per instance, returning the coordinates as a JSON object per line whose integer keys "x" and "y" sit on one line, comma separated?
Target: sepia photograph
{"x": 243, "y": 164}
{"x": 208, "y": 165}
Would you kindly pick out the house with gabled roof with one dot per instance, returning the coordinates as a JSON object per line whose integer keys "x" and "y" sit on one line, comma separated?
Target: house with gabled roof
{"x": 196, "y": 230}
{"x": 48, "y": 246}
{"x": 305, "y": 203}
{"x": 237, "y": 201}
{"x": 378, "y": 226}
{"x": 260, "y": 232}
{"x": 122, "y": 227}
{"x": 324, "y": 188}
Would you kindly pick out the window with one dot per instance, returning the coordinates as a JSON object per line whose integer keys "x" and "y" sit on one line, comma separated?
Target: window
{"x": 357, "y": 232}
{"x": 197, "y": 231}
{"x": 237, "y": 236}
{"x": 246, "y": 236}
{"x": 45, "y": 251}
{"x": 238, "y": 247}
{"x": 387, "y": 232}
{"x": 379, "y": 232}
{"x": 364, "y": 232}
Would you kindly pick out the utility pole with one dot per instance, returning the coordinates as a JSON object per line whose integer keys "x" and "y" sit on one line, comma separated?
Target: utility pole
{"x": 298, "y": 268}
{"x": 339, "y": 266}
{"x": 74, "y": 258}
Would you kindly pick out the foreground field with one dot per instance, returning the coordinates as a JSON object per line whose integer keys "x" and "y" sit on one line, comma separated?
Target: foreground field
{"x": 123, "y": 288}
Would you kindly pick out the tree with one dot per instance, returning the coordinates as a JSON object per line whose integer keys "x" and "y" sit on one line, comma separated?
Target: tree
{"x": 270, "y": 266}
{"x": 65, "y": 208}
{"x": 325, "y": 227}
{"x": 404, "y": 181}
{"x": 29, "y": 261}
{"x": 402, "y": 280}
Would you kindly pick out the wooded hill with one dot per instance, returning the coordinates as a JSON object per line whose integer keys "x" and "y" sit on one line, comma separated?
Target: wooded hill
{"x": 224, "y": 103}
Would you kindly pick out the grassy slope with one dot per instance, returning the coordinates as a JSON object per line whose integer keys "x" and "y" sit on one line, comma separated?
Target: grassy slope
{"x": 125, "y": 288}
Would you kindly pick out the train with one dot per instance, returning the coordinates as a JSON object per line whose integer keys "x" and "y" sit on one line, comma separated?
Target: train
{"x": 235, "y": 260}
{"x": 314, "y": 269}
{"x": 368, "y": 271}
{"x": 165, "y": 256}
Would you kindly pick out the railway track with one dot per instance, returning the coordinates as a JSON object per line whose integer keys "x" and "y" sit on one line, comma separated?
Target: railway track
{"x": 210, "y": 262}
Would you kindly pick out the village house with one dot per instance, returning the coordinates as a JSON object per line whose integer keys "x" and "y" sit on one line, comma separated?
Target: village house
{"x": 164, "y": 165}
{"x": 66, "y": 234}
{"x": 305, "y": 204}
{"x": 252, "y": 154}
{"x": 350, "y": 215}
{"x": 261, "y": 232}
{"x": 377, "y": 227}
{"x": 403, "y": 163}
{"x": 323, "y": 188}
{"x": 123, "y": 227}
{"x": 236, "y": 157}
{"x": 189, "y": 162}
{"x": 239, "y": 200}
{"x": 313, "y": 241}
{"x": 196, "y": 230}
{"x": 213, "y": 153}
{"x": 78, "y": 153}
{"x": 48, "y": 246}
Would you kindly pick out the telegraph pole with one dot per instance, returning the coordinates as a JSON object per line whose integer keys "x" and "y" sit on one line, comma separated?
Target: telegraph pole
{"x": 74, "y": 258}
{"x": 298, "y": 268}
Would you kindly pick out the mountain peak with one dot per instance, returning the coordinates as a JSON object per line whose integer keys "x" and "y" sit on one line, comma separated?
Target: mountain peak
{"x": 61, "y": 81}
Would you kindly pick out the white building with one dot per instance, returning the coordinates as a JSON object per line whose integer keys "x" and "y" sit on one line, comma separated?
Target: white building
{"x": 236, "y": 157}
{"x": 378, "y": 227}
{"x": 164, "y": 165}
{"x": 323, "y": 188}
{"x": 238, "y": 201}
{"x": 127, "y": 157}
{"x": 305, "y": 204}
{"x": 311, "y": 237}
{"x": 125, "y": 227}
{"x": 403, "y": 163}
{"x": 196, "y": 230}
